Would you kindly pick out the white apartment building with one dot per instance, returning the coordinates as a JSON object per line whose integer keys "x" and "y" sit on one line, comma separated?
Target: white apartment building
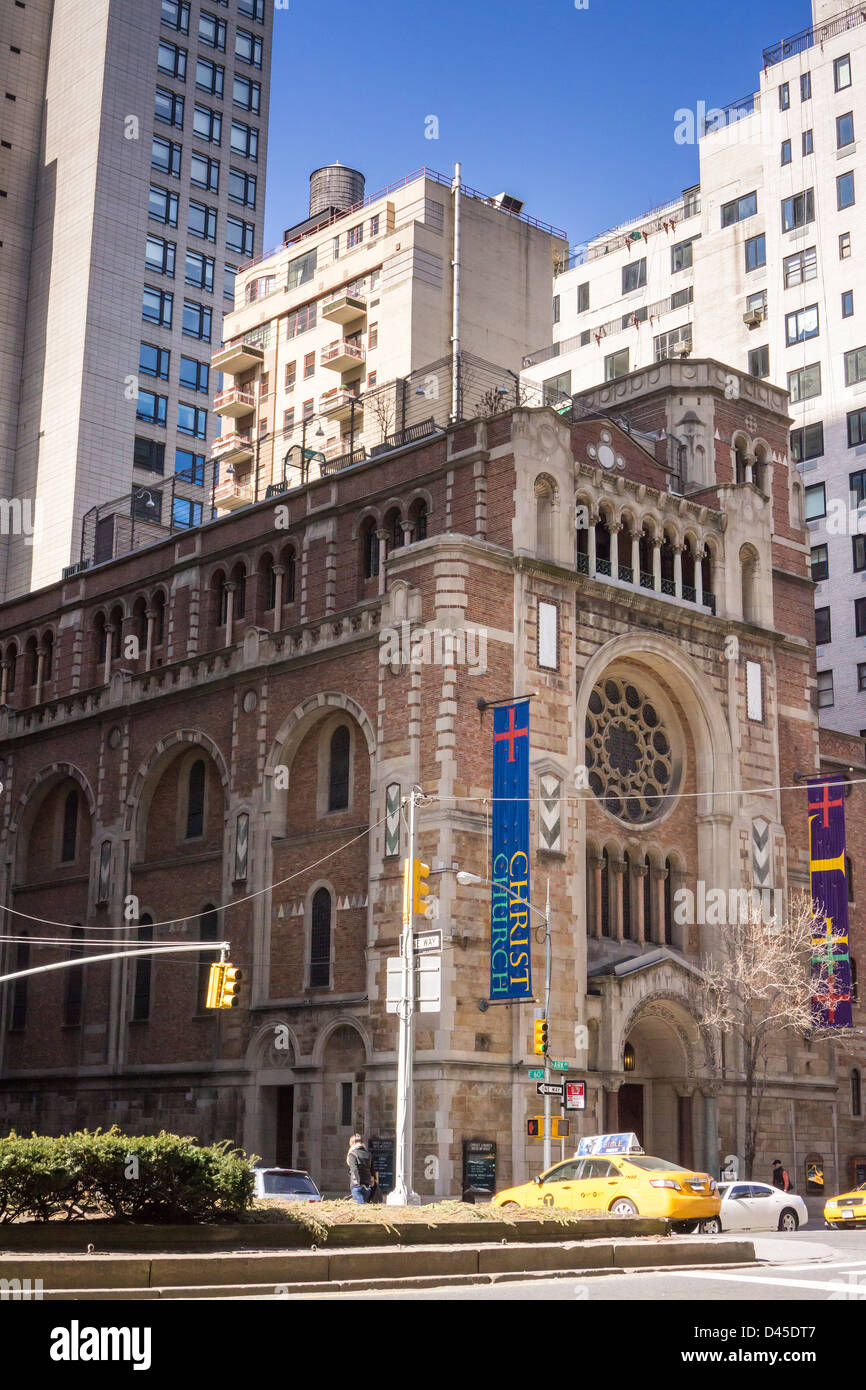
{"x": 763, "y": 266}
{"x": 133, "y": 168}
{"x": 329, "y": 345}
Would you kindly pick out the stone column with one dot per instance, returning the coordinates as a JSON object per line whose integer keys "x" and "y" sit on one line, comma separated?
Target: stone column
{"x": 382, "y": 537}
{"x": 279, "y": 571}
{"x": 684, "y": 1126}
{"x": 657, "y": 563}
{"x": 150, "y": 614}
{"x": 711, "y": 1129}
{"x": 699, "y": 581}
{"x": 659, "y": 876}
{"x": 678, "y": 571}
{"x": 597, "y": 864}
{"x": 590, "y": 536}
{"x": 110, "y": 629}
{"x": 615, "y": 529}
{"x": 635, "y": 557}
{"x": 611, "y": 1107}
{"x": 40, "y": 672}
{"x": 618, "y": 866}
{"x": 230, "y": 587}
{"x": 750, "y": 468}
{"x": 640, "y": 872}
{"x": 407, "y": 532}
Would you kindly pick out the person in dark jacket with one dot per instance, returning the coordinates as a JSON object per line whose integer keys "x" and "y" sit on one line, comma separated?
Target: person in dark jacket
{"x": 360, "y": 1169}
{"x": 780, "y": 1176}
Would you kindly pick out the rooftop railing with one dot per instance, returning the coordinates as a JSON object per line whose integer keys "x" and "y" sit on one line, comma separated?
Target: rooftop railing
{"x": 815, "y": 34}
{"x": 680, "y": 210}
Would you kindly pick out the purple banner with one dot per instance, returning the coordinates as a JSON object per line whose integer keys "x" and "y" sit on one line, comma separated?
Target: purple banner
{"x": 831, "y": 961}
{"x": 511, "y": 932}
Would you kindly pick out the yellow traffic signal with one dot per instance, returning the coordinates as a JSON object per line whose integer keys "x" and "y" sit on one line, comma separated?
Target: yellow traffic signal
{"x": 540, "y": 1037}
{"x": 420, "y": 886}
{"x": 559, "y": 1128}
{"x": 214, "y": 986}
{"x": 535, "y": 1127}
{"x": 230, "y": 986}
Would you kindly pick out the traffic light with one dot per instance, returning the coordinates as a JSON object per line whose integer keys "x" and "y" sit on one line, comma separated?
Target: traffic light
{"x": 541, "y": 1032}
{"x": 535, "y": 1127}
{"x": 230, "y": 986}
{"x": 214, "y": 986}
{"x": 415, "y": 887}
{"x": 559, "y": 1128}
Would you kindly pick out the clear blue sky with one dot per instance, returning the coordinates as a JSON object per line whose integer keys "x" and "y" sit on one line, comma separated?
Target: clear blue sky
{"x": 571, "y": 110}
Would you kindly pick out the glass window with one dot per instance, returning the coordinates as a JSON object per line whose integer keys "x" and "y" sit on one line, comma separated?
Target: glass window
{"x": 634, "y": 276}
{"x": 242, "y": 188}
{"x": 842, "y": 72}
{"x": 197, "y": 320}
{"x": 355, "y": 236}
{"x": 248, "y": 47}
{"x": 844, "y": 130}
{"x": 616, "y": 364}
{"x": 759, "y": 361}
{"x": 583, "y": 297}
{"x": 801, "y": 325}
{"x": 805, "y": 86}
{"x": 163, "y": 206}
{"x": 786, "y": 152}
{"x": 229, "y": 276}
{"x": 784, "y": 96}
{"x": 149, "y": 455}
{"x": 195, "y": 808}
{"x": 252, "y": 9}
{"x": 682, "y": 255}
{"x": 798, "y": 210}
{"x": 825, "y": 689}
{"x": 756, "y": 252}
{"x": 192, "y": 419}
{"x": 156, "y": 306}
{"x": 556, "y": 308}
{"x": 845, "y": 190}
{"x": 154, "y": 361}
{"x": 301, "y": 320}
{"x": 860, "y": 616}
{"x": 556, "y": 388}
{"x": 338, "y": 776}
{"x": 808, "y": 142}
{"x": 209, "y": 77}
{"x": 204, "y": 172}
{"x": 857, "y": 429}
{"x": 239, "y": 236}
{"x": 247, "y": 94}
{"x": 189, "y": 466}
{"x": 739, "y": 209}
{"x": 199, "y": 270}
{"x": 680, "y": 298}
{"x": 202, "y": 221}
{"x": 374, "y": 226}
{"x": 171, "y": 60}
{"x": 207, "y": 124}
{"x": 168, "y": 107}
{"x": 805, "y": 382}
{"x": 151, "y": 408}
{"x": 160, "y": 255}
{"x": 212, "y": 31}
{"x": 820, "y": 563}
{"x": 320, "y": 940}
{"x": 847, "y": 304}
{"x": 857, "y": 486}
{"x": 855, "y": 366}
{"x": 816, "y": 501}
{"x": 807, "y": 443}
{"x": 858, "y": 556}
{"x": 175, "y": 15}
{"x": 802, "y": 265}
{"x": 861, "y": 680}
{"x": 635, "y": 316}
{"x": 844, "y": 246}
{"x": 245, "y": 140}
{"x": 185, "y": 512}
{"x": 823, "y": 628}
{"x": 664, "y": 343}
{"x": 194, "y": 375}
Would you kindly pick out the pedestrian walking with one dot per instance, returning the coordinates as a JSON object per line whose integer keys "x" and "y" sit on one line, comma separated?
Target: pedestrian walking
{"x": 780, "y": 1176}
{"x": 360, "y": 1170}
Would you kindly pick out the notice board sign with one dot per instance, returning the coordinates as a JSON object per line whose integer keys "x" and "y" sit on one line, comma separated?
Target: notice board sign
{"x": 479, "y": 1167}
{"x": 382, "y": 1158}
{"x": 575, "y": 1095}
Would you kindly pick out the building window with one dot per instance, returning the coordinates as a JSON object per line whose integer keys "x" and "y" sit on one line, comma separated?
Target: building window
{"x": 175, "y": 15}
{"x": 739, "y": 209}
{"x": 195, "y": 801}
{"x": 189, "y": 466}
{"x": 354, "y": 236}
{"x": 803, "y": 265}
{"x": 149, "y": 455}
{"x": 805, "y": 382}
{"x": 786, "y": 152}
{"x": 845, "y": 191}
{"x": 165, "y": 156}
{"x": 808, "y": 144}
{"x": 320, "y": 940}
{"x": 209, "y": 77}
{"x": 245, "y": 140}
{"x": 69, "y": 839}
{"x": 346, "y": 1104}
{"x": 212, "y": 31}
{"x": 168, "y": 107}
{"x": 635, "y": 316}
{"x": 801, "y": 325}
{"x": 151, "y": 408}
{"x": 556, "y": 388}
{"x": 798, "y": 210}
{"x": 239, "y": 236}
{"x": 849, "y": 877}
{"x": 784, "y": 96}
{"x": 301, "y": 320}
{"x": 162, "y": 206}
{"x": 202, "y": 221}
{"x": 616, "y": 365}
{"x": 807, "y": 443}
{"x": 248, "y": 47}
{"x": 664, "y": 343}
{"x": 186, "y": 513}
{"x": 338, "y": 770}
{"x": 143, "y": 972}
{"x": 844, "y": 246}
{"x": 816, "y": 502}
{"x": 229, "y": 276}
{"x": 204, "y": 172}
{"x": 855, "y": 366}
{"x": 192, "y": 419}
{"x": 207, "y": 124}
{"x": 842, "y": 72}
{"x": 682, "y": 256}
{"x": 371, "y": 550}
{"x": 820, "y": 563}
{"x": 197, "y": 320}
{"x": 159, "y": 255}
{"x": 857, "y": 427}
{"x": 823, "y": 627}
{"x": 556, "y": 308}
{"x": 252, "y": 9}
{"x": 194, "y": 375}
{"x": 756, "y": 252}
{"x": 680, "y": 298}
{"x": 857, "y": 487}
{"x": 847, "y": 304}
{"x": 825, "y": 689}
{"x": 199, "y": 270}
{"x": 861, "y": 675}
{"x": 247, "y": 94}
{"x": 309, "y": 365}
{"x": 242, "y": 188}
{"x": 858, "y": 548}
{"x": 860, "y": 617}
{"x": 805, "y": 86}
{"x": 759, "y": 361}
{"x": 634, "y": 276}
{"x": 583, "y": 297}
{"x": 154, "y": 361}
{"x": 171, "y": 60}
{"x": 844, "y": 130}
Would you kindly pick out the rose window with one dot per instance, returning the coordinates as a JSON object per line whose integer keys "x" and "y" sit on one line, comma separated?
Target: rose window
{"x": 628, "y": 752}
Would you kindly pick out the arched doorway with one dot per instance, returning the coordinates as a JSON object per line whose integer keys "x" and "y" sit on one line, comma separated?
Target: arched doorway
{"x": 658, "y": 1098}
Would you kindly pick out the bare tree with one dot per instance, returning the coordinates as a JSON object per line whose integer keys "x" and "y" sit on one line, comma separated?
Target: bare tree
{"x": 759, "y": 985}
{"x": 382, "y": 405}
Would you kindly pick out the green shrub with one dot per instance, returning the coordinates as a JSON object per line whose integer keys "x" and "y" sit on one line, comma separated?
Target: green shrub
{"x": 159, "y": 1178}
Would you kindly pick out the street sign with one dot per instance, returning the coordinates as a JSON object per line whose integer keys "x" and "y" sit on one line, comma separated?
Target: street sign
{"x": 575, "y": 1095}
{"x": 536, "y": 1074}
{"x": 428, "y": 984}
{"x": 558, "y": 1066}
{"x": 549, "y": 1088}
{"x": 429, "y": 941}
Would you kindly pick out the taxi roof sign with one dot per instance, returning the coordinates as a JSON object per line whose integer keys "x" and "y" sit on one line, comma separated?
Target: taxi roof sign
{"x": 608, "y": 1144}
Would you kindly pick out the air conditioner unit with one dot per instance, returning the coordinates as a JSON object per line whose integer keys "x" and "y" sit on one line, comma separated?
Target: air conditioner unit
{"x": 753, "y": 317}
{"x": 681, "y": 349}
{"x": 508, "y": 203}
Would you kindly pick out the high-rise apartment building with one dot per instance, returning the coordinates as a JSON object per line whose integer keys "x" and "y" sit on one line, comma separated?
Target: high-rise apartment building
{"x": 762, "y": 265}
{"x": 345, "y": 334}
{"x": 134, "y": 151}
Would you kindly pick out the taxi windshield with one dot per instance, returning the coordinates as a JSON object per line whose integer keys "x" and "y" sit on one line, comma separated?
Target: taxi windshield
{"x": 652, "y": 1165}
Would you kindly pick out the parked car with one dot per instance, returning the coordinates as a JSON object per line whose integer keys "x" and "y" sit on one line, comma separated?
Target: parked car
{"x": 624, "y": 1185}
{"x": 285, "y": 1185}
{"x": 758, "y": 1206}
{"x": 847, "y": 1210}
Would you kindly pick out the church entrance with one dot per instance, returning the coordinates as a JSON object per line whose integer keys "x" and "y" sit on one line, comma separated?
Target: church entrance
{"x": 657, "y": 1099}
{"x": 631, "y": 1111}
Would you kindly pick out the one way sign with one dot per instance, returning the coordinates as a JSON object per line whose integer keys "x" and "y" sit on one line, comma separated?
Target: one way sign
{"x": 549, "y": 1088}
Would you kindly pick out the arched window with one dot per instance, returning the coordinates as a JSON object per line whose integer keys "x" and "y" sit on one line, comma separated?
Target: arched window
{"x": 740, "y": 464}
{"x": 338, "y": 770}
{"x": 626, "y": 899}
{"x": 394, "y": 527}
{"x": 605, "y": 893}
{"x": 418, "y": 517}
{"x": 117, "y": 634}
{"x": 143, "y": 971}
{"x": 707, "y": 575}
{"x": 73, "y": 994}
{"x": 48, "y": 658}
{"x": 602, "y": 545}
{"x": 667, "y": 567}
{"x": 320, "y": 940}
{"x": 371, "y": 549}
{"x": 669, "y": 903}
{"x": 239, "y": 577}
{"x": 159, "y": 618}
{"x": 32, "y": 660}
{"x": 208, "y": 926}
{"x": 139, "y": 618}
{"x": 856, "y": 1097}
{"x": 267, "y": 587}
{"x": 12, "y": 659}
{"x": 195, "y": 801}
{"x": 749, "y": 577}
{"x": 688, "y": 565}
{"x": 69, "y": 843}
{"x": 288, "y": 559}
{"x": 545, "y": 496}
{"x": 220, "y": 598}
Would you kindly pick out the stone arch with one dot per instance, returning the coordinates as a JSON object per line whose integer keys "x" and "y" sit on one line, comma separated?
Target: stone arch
{"x": 147, "y": 775}
{"x": 259, "y": 1048}
{"x": 342, "y": 1020}
{"x": 293, "y": 731}
{"x": 53, "y": 773}
{"x": 373, "y": 514}
{"x": 674, "y": 1009}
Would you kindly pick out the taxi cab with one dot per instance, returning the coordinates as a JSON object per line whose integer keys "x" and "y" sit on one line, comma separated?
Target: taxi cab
{"x": 847, "y": 1210}
{"x": 611, "y": 1173}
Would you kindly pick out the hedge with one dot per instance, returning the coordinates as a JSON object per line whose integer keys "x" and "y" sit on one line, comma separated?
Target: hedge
{"x": 153, "y": 1178}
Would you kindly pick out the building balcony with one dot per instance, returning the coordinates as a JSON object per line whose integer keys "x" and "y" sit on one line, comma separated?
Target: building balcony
{"x": 235, "y": 403}
{"x": 238, "y": 357}
{"x": 232, "y": 448}
{"x": 645, "y": 579}
{"x": 337, "y": 405}
{"x": 344, "y": 308}
{"x": 341, "y": 356}
{"x": 230, "y": 493}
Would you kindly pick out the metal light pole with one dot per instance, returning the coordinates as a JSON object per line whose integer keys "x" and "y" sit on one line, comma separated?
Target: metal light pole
{"x": 402, "y": 1193}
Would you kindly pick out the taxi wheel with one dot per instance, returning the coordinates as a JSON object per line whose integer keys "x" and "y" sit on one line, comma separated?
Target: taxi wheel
{"x": 711, "y": 1226}
{"x": 623, "y": 1207}
{"x": 788, "y": 1221}
{"x": 503, "y": 1206}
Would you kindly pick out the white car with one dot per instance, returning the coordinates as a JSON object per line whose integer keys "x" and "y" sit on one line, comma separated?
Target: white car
{"x": 757, "y": 1206}
{"x": 285, "y": 1185}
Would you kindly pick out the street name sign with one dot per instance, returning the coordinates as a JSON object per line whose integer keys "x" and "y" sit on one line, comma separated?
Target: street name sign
{"x": 558, "y": 1066}
{"x": 549, "y": 1088}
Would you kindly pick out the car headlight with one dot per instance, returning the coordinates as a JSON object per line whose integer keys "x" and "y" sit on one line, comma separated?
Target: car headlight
{"x": 665, "y": 1182}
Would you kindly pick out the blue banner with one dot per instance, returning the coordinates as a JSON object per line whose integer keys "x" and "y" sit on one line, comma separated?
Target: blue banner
{"x": 511, "y": 934}
{"x": 831, "y": 961}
